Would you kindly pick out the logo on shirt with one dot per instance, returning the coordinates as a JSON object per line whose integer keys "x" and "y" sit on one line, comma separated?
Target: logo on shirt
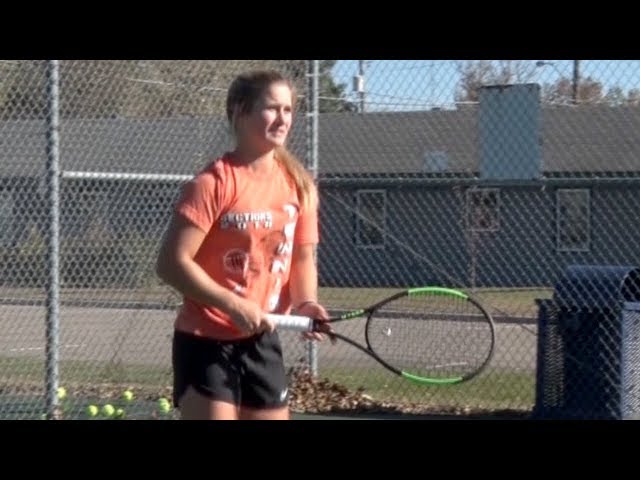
{"x": 236, "y": 261}
{"x": 242, "y": 220}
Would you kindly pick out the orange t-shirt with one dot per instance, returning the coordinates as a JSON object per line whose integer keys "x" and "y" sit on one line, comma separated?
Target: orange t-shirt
{"x": 251, "y": 224}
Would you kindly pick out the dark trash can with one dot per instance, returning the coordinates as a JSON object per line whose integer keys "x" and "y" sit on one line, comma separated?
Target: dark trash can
{"x": 588, "y": 363}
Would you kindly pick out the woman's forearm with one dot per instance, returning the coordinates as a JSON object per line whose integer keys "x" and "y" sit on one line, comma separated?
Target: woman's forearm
{"x": 187, "y": 277}
{"x": 303, "y": 282}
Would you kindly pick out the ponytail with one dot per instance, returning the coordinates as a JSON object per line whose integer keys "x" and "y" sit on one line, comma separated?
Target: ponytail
{"x": 307, "y": 191}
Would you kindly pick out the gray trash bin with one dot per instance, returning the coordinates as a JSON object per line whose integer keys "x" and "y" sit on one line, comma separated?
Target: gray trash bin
{"x": 588, "y": 364}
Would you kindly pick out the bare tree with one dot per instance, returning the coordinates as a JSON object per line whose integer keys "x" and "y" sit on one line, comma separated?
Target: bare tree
{"x": 617, "y": 98}
{"x": 561, "y": 92}
{"x": 633, "y": 97}
{"x": 130, "y": 88}
{"x": 476, "y": 74}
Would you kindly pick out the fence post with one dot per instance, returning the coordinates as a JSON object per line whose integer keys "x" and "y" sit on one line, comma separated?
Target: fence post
{"x": 53, "y": 245}
{"x": 312, "y": 143}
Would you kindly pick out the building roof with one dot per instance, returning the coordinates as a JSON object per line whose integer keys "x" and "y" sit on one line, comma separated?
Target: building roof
{"x": 177, "y": 146}
{"x": 574, "y": 139}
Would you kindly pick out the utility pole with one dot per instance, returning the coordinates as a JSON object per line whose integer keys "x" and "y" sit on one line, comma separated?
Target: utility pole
{"x": 576, "y": 81}
{"x": 358, "y": 85}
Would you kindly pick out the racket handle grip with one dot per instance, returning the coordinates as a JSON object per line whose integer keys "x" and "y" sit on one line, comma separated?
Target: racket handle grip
{"x": 292, "y": 322}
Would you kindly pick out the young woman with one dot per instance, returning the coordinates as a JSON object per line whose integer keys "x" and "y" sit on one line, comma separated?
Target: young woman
{"x": 240, "y": 245}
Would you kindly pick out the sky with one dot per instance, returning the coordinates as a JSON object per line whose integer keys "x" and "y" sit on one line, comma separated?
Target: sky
{"x": 425, "y": 84}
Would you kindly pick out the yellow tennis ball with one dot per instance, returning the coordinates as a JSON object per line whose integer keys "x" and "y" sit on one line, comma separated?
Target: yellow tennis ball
{"x": 61, "y": 392}
{"x": 163, "y": 405}
{"x": 92, "y": 410}
{"x": 127, "y": 395}
{"x": 108, "y": 410}
{"x": 119, "y": 413}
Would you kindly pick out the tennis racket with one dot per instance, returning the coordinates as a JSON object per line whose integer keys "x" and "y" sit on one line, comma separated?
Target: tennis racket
{"x": 428, "y": 335}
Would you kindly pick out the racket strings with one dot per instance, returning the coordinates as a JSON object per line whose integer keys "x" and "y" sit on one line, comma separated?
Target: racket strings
{"x": 431, "y": 336}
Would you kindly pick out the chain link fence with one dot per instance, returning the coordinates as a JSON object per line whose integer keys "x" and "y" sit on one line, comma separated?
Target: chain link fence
{"x": 494, "y": 177}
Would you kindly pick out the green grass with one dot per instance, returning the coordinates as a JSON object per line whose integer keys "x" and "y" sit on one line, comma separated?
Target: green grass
{"x": 28, "y": 370}
{"x": 491, "y": 390}
{"x": 21, "y": 394}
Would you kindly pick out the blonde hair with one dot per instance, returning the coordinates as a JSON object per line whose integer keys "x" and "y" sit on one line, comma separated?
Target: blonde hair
{"x": 244, "y": 92}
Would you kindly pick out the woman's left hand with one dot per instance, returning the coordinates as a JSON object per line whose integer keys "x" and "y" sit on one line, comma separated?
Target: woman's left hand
{"x": 315, "y": 311}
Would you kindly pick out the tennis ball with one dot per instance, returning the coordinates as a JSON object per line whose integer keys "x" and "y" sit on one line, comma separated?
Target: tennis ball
{"x": 127, "y": 395}
{"x": 119, "y": 413}
{"x": 163, "y": 405}
{"x": 92, "y": 410}
{"x": 108, "y": 410}
{"x": 61, "y": 392}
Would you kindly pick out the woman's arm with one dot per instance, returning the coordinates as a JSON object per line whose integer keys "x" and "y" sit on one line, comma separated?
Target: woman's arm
{"x": 303, "y": 285}
{"x": 304, "y": 275}
{"x": 176, "y": 266}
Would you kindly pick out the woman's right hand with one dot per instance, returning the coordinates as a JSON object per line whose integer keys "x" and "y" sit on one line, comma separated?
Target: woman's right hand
{"x": 250, "y": 319}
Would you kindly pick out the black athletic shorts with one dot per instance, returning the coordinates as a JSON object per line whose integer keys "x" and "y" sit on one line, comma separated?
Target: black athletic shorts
{"x": 248, "y": 372}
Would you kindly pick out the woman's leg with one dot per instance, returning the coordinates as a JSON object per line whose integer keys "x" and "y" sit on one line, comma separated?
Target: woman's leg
{"x": 247, "y": 413}
{"x": 195, "y": 406}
